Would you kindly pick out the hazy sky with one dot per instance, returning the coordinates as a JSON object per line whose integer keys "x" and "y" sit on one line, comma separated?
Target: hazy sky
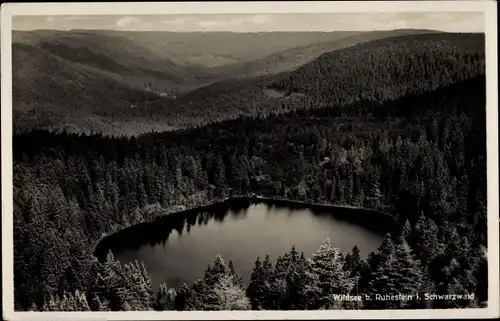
{"x": 452, "y": 22}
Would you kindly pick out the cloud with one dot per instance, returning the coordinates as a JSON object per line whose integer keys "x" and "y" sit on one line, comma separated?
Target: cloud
{"x": 451, "y": 21}
{"x": 176, "y": 21}
{"x": 260, "y": 19}
{"x": 213, "y": 23}
{"x": 125, "y": 21}
{"x": 228, "y": 22}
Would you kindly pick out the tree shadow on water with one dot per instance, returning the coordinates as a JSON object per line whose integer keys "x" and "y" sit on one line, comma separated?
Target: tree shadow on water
{"x": 158, "y": 231}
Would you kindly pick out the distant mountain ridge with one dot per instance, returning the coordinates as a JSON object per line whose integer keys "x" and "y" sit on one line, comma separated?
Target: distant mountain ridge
{"x": 51, "y": 92}
{"x": 292, "y": 58}
{"x": 165, "y": 60}
{"x": 375, "y": 71}
{"x": 220, "y": 48}
{"x": 118, "y": 55}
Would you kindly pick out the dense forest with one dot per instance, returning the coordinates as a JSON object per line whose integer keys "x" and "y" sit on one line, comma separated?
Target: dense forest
{"x": 373, "y": 72}
{"x": 421, "y": 157}
{"x": 292, "y": 58}
{"x": 390, "y": 67}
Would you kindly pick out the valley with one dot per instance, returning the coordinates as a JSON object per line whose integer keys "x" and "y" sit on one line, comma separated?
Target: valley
{"x": 132, "y": 74}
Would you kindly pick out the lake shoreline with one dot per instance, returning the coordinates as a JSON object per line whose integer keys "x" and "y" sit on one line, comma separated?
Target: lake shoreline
{"x": 309, "y": 204}
{"x": 384, "y": 222}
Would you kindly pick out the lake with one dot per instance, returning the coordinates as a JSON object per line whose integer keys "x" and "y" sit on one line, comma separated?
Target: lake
{"x": 178, "y": 248}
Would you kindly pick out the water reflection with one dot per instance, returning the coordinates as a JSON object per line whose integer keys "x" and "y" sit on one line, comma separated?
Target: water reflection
{"x": 158, "y": 231}
{"x": 239, "y": 230}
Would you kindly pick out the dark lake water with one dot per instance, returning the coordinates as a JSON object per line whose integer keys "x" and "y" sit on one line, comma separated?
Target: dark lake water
{"x": 177, "y": 248}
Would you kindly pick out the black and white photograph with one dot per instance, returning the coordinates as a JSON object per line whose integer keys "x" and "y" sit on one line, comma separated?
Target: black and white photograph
{"x": 250, "y": 160}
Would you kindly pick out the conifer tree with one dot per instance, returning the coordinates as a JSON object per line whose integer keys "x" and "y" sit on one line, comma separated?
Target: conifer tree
{"x": 278, "y": 284}
{"x": 407, "y": 232}
{"x": 203, "y": 290}
{"x": 352, "y": 261}
{"x": 426, "y": 242}
{"x": 264, "y": 284}
{"x": 232, "y": 271}
{"x": 34, "y": 308}
{"x": 327, "y": 276}
{"x": 297, "y": 281}
{"x": 67, "y": 302}
{"x": 384, "y": 274}
{"x": 220, "y": 176}
{"x": 136, "y": 287}
{"x": 81, "y": 303}
{"x": 200, "y": 296}
{"x": 100, "y": 303}
{"x": 286, "y": 272}
{"x": 259, "y": 287}
{"x": 52, "y": 304}
{"x": 230, "y": 295}
{"x": 183, "y": 300}
{"x": 385, "y": 249}
{"x": 165, "y": 299}
{"x": 107, "y": 284}
{"x": 410, "y": 273}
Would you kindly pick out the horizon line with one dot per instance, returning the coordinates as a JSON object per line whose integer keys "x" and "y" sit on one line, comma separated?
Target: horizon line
{"x": 245, "y": 32}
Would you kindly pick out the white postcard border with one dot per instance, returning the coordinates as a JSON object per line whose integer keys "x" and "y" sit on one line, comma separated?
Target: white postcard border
{"x": 57, "y": 9}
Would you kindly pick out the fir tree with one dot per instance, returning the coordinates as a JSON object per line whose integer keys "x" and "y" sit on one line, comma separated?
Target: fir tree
{"x": 165, "y": 299}
{"x": 384, "y": 275}
{"x": 183, "y": 300}
{"x": 425, "y": 238}
{"x": 327, "y": 276}
{"x": 230, "y": 295}
{"x": 352, "y": 261}
{"x": 232, "y": 271}
{"x": 407, "y": 232}
{"x": 136, "y": 288}
{"x": 81, "y": 303}
{"x": 259, "y": 287}
{"x": 410, "y": 275}
{"x": 100, "y": 303}
{"x": 297, "y": 281}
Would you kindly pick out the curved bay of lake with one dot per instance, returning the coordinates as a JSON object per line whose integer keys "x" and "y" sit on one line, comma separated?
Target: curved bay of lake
{"x": 177, "y": 249}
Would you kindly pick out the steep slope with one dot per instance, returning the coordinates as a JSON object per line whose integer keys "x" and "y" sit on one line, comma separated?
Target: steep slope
{"x": 119, "y": 56}
{"x": 290, "y": 59}
{"x": 111, "y": 53}
{"x": 375, "y": 71}
{"x": 389, "y": 68}
{"x": 50, "y": 92}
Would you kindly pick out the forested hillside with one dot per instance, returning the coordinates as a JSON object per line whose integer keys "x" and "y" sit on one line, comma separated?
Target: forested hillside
{"x": 111, "y": 53}
{"x": 290, "y": 59}
{"x": 51, "y": 93}
{"x": 421, "y": 158}
{"x": 88, "y": 81}
{"x": 389, "y": 68}
{"x": 120, "y": 57}
{"x": 85, "y": 99}
{"x": 85, "y": 81}
{"x": 186, "y": 48}
{"x": 375, "y": 72}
